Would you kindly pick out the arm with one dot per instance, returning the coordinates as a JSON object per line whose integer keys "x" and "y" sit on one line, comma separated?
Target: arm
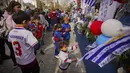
{"x": 70, "y": 60}
{"x": 37, "y": 46}
{"x": 32, "y": 41}
{"x": 69, "y": 28}
{"x": 60, "y": 36}
{"x": 73, "y": 48}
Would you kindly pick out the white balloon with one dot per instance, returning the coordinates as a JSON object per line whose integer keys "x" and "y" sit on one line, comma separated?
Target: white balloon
{"x": 111, "y": 27}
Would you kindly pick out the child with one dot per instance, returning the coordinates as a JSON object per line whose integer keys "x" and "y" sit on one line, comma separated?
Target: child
{"x": 64, "y": 57}
{"x": 24, "y": 44}
{"x": 39, "y": 30}
{"x": 66, "y": 30}
{"x": 57, "y": 38}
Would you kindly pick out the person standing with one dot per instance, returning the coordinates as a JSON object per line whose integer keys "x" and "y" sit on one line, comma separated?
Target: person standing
{"x": 66, "y": 29}
{"x": 24, "y": 44}
{"x": 13, "y": 7}
{"x": 53, "y": 15}
{"x": 28, "y": 11}
{"x": 57, "y": 38}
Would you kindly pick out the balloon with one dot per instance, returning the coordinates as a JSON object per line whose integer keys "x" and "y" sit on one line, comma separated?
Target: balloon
{"x": 96, "y": 27}
{"x": 101, "y": 39}
{"x": 111, "y": 27}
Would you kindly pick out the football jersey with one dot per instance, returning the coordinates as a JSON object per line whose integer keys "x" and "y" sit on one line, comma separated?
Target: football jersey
{"x": 23, "y": 42}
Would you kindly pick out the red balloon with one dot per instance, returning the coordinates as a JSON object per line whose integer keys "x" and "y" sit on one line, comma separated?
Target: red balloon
{"x": 96, "y": 27}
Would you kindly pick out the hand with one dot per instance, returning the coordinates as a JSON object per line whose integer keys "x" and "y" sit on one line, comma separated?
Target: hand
{"x": 76, "y": 44}
{"x": 121, "y": 29}
{"x": 64, "y": 33}
{"x": 62, "y": 39}
{"x": 74, "y": 60}
{"x": 66, "y": 29}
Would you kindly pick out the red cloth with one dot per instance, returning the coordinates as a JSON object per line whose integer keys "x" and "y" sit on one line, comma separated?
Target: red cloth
{"x": 53, "y": 15}
{"x": 40, "y": 30}
{"x": 56, "y": 38}
{"x": 121, "y": 1}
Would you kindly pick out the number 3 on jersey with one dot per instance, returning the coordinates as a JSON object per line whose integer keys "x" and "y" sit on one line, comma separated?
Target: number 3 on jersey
{"x": 18, "y": 48}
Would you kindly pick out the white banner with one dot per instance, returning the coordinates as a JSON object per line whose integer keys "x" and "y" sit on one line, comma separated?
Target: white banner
{"x": 107, "y": 9}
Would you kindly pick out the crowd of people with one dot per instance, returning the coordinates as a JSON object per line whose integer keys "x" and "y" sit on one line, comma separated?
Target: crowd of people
{"x": 26, "y": 34}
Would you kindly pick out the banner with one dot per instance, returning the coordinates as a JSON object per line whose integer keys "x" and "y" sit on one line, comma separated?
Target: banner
{"x": 87, "y": 5}
{"x": 103, "y": 9}
{"x": 90, "y": 2}
{"x": 105, "y": 53}
{"x": 112, "y": 10}
{"x": 108, "y": 9}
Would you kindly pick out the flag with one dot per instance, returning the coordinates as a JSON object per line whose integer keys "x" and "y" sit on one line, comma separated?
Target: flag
{"x": 105, "y": 53}
{"x": 90, "y": 2}
{"x": 86, "y": 5}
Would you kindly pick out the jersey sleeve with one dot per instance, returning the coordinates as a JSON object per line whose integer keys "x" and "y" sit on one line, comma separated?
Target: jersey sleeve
{"x": 64, "y": 58}
{"x": 31, "y": 40}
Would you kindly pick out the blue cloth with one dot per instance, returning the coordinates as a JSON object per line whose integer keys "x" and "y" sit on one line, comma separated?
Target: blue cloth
{"x": 56, "y": 48}
{"x": 28, "y": 11}
{"x": 90, "y": 2}
{"x": 67, "y": 34}
{"x": 57, "y": 35}
{"x": 59, "y": 14}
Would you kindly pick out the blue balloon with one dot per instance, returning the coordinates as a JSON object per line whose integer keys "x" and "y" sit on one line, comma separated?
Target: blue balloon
{"x": 102, "y": 39}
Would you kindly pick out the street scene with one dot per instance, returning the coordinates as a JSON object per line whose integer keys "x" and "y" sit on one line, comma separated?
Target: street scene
{"x": 64, "y": 36}
{"x": 47, "y": 62}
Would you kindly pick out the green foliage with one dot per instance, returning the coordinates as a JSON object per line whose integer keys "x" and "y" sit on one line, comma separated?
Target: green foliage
{"x": 125, "y": 58}
{"x": 90, "y": 35}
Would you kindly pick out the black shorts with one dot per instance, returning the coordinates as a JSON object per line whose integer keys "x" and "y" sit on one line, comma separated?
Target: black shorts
{"x": 32, "y": 67}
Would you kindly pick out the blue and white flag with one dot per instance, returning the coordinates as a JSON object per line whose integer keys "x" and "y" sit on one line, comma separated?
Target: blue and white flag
{"x": 87, "y": 5}
{"x": 105, "y": 53}
{"x": 90, "y": 2}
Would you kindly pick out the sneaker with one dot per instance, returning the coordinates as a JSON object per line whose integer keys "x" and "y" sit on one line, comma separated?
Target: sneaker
{"x": 57, "y": 57}
{"x": 15, "y": 66}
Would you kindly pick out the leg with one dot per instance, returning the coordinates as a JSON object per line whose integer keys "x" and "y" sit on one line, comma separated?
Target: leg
{"x": 11, "y": 51}
{"x": 31, "y": 68}
{"x": 24, "y": 70}
{"x": 2, "y": 50}
{"x": 36, "y": 68}
{"x": 56, "y": 49}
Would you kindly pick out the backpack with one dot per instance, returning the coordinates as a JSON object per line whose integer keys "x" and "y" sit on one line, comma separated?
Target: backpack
{"x": 4, "y": 31}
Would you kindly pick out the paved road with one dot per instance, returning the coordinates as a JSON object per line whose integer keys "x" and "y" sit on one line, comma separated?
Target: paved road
{"x": 48, "y": 63}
